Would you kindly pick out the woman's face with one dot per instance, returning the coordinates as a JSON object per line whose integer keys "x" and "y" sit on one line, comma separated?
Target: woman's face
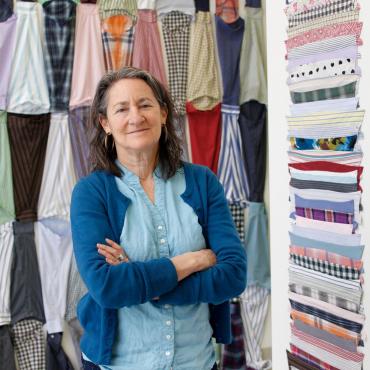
{"x": 134, "y": 116}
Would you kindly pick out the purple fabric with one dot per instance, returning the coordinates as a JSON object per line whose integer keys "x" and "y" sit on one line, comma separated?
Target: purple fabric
{"x": 7, "y": 39}
{"x": 349, "y": 52}
{"x": 344, "y": 207}
{"x": 322, "y": 215}
{"x": 78, "y": 121}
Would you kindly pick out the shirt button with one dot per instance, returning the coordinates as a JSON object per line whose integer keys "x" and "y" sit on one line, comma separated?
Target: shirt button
{"x": 168, "y": 322}
{"x": 168, "y": 353}
{"x": 168, "y": 336}
{"x": 163, "y": 241}
{"x": 167, "y": 306}
{"x": 160, "y": 227}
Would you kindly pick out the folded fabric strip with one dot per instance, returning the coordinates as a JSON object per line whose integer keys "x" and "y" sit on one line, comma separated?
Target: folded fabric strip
{"x": 296, "y": 363}
{"x": 323, "y": 106}
{"x": 319, "y": 323}
{"x": 344, "y": 143}
{"x": 333, "y": 269}
{"x": 329, "y": 176}
{"x": 325, "y": 215}
{"x": 302, "y": 156}
{"x": 324, "y": 257}
{"x": 354, "y": 252}
{"x": 323, "y": 225}
{"x": 326, "y": 307}
{"x": 324, "y": 335}
{"x": 323, "y": 185}
{"x": 300, "y": 6}
{"x": 325, "y": 315}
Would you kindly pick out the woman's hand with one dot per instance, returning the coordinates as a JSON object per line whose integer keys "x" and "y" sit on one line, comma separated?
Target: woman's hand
{"x": 114, "y": 254}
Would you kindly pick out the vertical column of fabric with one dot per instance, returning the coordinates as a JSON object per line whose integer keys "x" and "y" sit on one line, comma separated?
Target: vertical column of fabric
{"x": 7, "y": 210}
{"x": 29, "y": 345}
{"x": 147, "y": 52}
{"x": 254, "y": 305}
{"x": 231, "y": 171}
{"x": 7, "y": 44}
{"x": 252, "y": 123}
{"x": 229, "y": 42}
{"x": 28, "y": 89}
{"x": 88, "y": 56}
{"x": 6, "y": 252}
{"x": 203, "y": 89}
{"x": 59, "y": 175}
{"x": 7, "y": 355}
{"x": 53, "y": 238}
{"x": 59, "y": 19}
{"x": 28, "y": 135}
{"x": 205, "y": 135}
{"x": 25, "y": 284}
{"x": 176, "y": 34}
{"x": 78, "y": 122}
{"x": 233, "y": 355}
{"x": 253, "y": 84}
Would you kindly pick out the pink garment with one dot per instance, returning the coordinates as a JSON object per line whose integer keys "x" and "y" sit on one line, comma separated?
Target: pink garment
{"x": 7, "y": 43}
{"x": 318, "y": 34}
{"x": 300, "y": 6}
{"x": 334, "y": 310}
{"x": 88, "y": 63}
{"x": 147, "y": 45}
{"x": 332, "y": 227}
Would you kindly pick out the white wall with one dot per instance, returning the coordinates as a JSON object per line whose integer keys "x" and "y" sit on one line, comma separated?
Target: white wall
{"x": 278, "y": 98}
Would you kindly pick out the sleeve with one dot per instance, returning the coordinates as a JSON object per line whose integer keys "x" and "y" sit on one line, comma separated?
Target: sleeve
{"x": 225, "y": 280}
{"x": 112, "y": 286}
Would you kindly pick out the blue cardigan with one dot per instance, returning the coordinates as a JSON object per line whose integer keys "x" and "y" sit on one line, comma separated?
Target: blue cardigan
{"x": 98, "y": 212}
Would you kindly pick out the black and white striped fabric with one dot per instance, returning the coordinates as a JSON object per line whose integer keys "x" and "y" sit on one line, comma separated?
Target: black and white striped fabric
{"x": 321, "y": 11}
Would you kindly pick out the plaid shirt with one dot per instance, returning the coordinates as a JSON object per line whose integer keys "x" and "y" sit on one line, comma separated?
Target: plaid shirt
{"x": 324, "y": 296}
{"x": 324, "y": 255}
{"x": 331, "y": 328}
{"x": 345, "y": 91}
{"x": 60, "y": 19}
{"x": 321, "y": 11}
{"x": 118, "y": 39}
{"x": 333, "y": 269}
{"x": 109, "y": 8}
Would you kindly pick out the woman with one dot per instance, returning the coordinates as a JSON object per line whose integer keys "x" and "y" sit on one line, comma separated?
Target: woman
{"x": 183, "y": 260}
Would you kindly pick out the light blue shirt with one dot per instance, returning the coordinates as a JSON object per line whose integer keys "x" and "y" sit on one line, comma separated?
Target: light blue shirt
{"x": 150, "y": 336}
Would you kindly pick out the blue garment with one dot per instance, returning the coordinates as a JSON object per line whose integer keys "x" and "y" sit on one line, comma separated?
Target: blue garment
{"x": 155, "y": 336}
{"x": 257, "y": 246}
{"x": 354, "y": 252}
{"x": 229, "y": 43}
{"x": 98, "y": 211}
{"x": 343, "y": 207}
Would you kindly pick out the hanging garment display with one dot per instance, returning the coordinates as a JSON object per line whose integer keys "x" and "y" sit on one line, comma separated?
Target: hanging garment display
{"x": 28, "y": 89}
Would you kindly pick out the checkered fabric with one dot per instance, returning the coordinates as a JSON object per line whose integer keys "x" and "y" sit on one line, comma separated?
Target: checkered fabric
{"x": 29, "y": 345}
{"x": 118, "y": 41}
{"x": 324, "y": 297}
{"x": 109, "y": 8}
{"x": 176, "y": 34}
{"x": 321, "y": 11}
{"x": 311, "y": 359}
{"x": 238, "y": 215}
{"x": 333, "y": 269}
{"x": 325, "y": 215}
{"x": 60, "y": 19}
{"x": 345, "y": 91}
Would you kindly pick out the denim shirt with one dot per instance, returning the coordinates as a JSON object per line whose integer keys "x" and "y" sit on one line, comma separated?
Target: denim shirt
{"x": 152, "y": 336}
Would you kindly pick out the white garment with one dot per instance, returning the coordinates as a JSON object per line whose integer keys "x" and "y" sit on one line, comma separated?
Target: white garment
{"x": 28, "y": 89}
{"x": 166, "y": 6}
{"x": 333, "y": 227}
{"x": 6, "y": 251}
{"x": 146, "y": 4}
{"x": 329, "y": 176}
{"x": 253, "y": 310}
{"x": 59, "y": 175}
{"x": 54, "y": 242}
{"x": 304, "y": 156}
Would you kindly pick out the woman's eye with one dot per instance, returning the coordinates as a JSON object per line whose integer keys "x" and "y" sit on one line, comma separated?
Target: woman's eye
{"x": 121, "y": 110}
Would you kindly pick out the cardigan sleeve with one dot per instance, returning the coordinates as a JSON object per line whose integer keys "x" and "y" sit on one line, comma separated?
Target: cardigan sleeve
{"x": 227, "y": 279}
{"x": 111, "y": 286}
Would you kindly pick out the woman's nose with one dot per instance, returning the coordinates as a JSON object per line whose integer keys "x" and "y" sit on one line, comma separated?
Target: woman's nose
{"x": 134, "y": 116}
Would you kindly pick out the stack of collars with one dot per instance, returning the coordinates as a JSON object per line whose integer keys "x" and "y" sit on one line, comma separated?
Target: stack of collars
{"x": 325, "y": 267}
